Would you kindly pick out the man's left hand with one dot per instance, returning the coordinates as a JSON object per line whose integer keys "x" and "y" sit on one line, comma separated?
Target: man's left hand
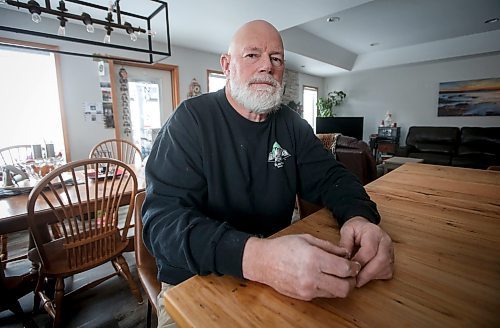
{"x": 375, "y": 253}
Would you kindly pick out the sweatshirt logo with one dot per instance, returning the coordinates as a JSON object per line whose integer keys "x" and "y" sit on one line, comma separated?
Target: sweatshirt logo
{"x": 278, "y": 155}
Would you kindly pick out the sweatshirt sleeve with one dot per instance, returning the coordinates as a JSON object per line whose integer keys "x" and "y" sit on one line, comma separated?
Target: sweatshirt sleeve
{"x": 324, "y": 180}
{"x": 183, "y": 240}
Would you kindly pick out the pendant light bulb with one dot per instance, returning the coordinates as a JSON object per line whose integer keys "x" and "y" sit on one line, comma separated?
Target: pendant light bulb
{"x": 35, "y": 17}
{"x": 90, "y": 28}
{"x": 61, "y": 31}
{"x": 107, "y": 38}
{"x": 133, "y": 37}
{"x": 87, "y": 21}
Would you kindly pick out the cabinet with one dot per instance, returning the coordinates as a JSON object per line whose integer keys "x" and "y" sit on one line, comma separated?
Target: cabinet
{"x": 386, "y": 142}
{"x": 389, "y": 134}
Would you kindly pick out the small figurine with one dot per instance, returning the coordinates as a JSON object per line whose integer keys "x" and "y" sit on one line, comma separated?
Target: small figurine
{"x": 388, "y": 119}
{"x": 194, "y": 89}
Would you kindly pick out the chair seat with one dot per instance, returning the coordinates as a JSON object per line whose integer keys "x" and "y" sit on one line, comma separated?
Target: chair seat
{"x": 59, "y": 265}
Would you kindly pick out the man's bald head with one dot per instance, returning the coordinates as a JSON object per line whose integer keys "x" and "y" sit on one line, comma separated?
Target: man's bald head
{"x": 254, "y": 67}
{"x": 253, "y": 31}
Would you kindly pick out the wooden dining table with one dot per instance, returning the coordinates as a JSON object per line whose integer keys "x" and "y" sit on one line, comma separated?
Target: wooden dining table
{"x": 445, "y": 225}
{"x": 14, "y": 212}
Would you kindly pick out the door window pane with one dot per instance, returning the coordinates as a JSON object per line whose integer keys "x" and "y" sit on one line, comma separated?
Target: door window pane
{"x": 145, "y": 113}
{"x": 310, "y": 97}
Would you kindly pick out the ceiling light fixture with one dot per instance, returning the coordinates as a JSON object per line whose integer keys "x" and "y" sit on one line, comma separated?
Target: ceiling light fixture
{"x": 492, "y": 20}
{"x": 333, "y": 19}
{"x": 110, "y": 19}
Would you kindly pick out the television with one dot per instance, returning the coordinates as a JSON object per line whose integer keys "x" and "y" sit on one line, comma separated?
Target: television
{"x": 347, "y": 126}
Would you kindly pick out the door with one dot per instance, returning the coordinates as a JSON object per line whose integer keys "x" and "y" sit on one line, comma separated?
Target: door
{"x": 145, "y": 100}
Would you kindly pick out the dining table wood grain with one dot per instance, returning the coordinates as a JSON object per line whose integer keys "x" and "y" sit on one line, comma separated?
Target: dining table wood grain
{"x": 445, "y": 225}
{"x": 14, "y": 213}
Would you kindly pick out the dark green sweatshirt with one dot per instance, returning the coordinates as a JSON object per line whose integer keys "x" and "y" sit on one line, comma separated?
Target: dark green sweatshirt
{"x": 215, "y": 178}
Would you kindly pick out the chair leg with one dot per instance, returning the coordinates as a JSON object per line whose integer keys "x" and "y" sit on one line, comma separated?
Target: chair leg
{"x": 122, "y": 268}
{"x": 4, "y": 254}
{"x": 148, "y": 318}
{"x": 58, "y": 302}
{"x": 38, "y": 290}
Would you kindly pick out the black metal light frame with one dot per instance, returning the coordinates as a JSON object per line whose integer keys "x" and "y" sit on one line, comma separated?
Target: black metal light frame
{"x": 65, "y": 15}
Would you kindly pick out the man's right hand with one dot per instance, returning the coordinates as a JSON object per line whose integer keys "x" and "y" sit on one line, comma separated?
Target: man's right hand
{"x": 300, "y": 266}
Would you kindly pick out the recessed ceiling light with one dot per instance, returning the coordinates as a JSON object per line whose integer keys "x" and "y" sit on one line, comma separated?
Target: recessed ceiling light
{"x": 374, "y": 44}
{"x": 333, "y": 19}
{"x": 492, "y": 20}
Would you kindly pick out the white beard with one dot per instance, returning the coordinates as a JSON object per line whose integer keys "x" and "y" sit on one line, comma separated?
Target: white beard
{"x": 264, "y": 100}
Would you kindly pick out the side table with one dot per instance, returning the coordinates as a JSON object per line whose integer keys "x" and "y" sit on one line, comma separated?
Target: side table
{"x": 395, "y": 162}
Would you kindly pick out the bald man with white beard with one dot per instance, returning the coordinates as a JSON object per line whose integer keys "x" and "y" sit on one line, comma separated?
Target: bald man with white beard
{"x": 223, "y": 175}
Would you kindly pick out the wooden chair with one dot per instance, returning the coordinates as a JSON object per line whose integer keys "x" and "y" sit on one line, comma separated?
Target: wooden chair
{"x": 11, "y": 155}
{"x": 14, "y": 154}
{"x": 85, "y": 205}
{"x": 119, "y": 149}
{"x": 124, "y": 151}
{"x": 145, "y": 262}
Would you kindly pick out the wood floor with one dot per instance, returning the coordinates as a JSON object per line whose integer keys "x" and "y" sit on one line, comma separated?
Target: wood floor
{"x": 110, "y": 304}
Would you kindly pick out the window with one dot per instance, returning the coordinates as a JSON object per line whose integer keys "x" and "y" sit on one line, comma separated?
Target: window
{"x": 29, "y": 97}
{"x": 216, "y": 80}
{"x": 310, "y": 96}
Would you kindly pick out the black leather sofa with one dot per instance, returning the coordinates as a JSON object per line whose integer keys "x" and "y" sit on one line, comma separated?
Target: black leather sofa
{"x": 473, "y": 147}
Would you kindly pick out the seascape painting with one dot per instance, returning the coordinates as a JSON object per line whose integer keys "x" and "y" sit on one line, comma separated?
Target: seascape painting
{"x": 470, "y": 98}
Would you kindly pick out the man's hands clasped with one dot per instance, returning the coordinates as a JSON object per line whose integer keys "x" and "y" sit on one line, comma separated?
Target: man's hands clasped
{"x": 305, "y": 267}
{"x": 370, "y": 246}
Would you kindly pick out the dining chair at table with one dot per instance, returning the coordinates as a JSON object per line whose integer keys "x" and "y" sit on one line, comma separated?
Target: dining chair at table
{"x": 12, "y": 155}
{"x": 145, "y": 262}
{"x": 119, "y": 149}
{"x": 124, "y": 151}
{"x": 83, "y": 197}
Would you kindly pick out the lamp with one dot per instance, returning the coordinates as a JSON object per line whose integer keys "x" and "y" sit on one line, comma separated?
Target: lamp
{"x": 139, "y": 26}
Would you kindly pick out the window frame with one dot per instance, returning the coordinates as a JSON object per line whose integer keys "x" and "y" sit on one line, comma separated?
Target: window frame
{"x": 210, "y": 71}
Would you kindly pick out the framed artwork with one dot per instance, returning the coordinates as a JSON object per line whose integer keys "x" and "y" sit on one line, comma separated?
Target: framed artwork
{"x": 470, "y": 98}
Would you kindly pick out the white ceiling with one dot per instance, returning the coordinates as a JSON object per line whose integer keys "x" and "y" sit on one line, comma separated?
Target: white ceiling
{"x": 407, "y": 31}
{"x": 403, "y": 31}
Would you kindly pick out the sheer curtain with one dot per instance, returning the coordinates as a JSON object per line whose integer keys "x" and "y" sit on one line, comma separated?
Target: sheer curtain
{"x": 29, "y": 99}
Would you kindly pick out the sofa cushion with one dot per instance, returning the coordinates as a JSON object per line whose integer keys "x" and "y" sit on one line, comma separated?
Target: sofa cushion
{"x": 432, "y": 134}
{"x": 435, "y": 148}
{"x": 432, "y": 158}
{"x": 434, "y": 139}
{"x": 475, "y": 140}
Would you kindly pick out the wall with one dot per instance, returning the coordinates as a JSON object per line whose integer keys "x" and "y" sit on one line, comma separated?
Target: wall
{"x": 81, "y": 83}
{"x": 410, "y": 93}
{"x": 80, "y": 80}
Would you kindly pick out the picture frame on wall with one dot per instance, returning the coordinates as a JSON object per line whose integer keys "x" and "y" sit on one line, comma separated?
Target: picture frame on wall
{"x": 470, "y": 98}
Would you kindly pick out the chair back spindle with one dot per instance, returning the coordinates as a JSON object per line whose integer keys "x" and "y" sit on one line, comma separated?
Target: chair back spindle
{"x": 120, "y": 149}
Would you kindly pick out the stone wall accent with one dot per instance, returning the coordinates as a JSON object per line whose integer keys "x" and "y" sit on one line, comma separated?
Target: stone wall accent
{"x": 291, "y": 82}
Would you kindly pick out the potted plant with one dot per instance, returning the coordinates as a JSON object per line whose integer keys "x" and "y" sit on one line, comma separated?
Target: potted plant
{"x": 325, "y": 105}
